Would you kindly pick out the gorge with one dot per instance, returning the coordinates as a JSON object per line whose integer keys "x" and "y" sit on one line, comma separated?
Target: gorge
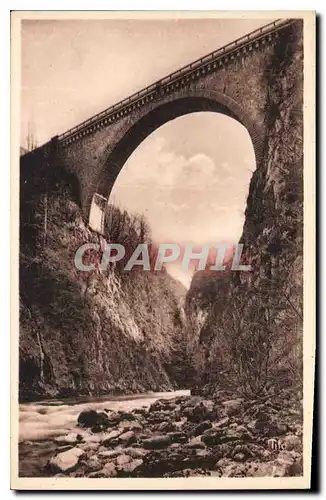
{"x": 234, "y": 338}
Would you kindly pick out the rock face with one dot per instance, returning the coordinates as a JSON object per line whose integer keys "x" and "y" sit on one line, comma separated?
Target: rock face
{"x": 224, "y": 446}
{"x": 249, "y": 324}
{"x": 89, "y": 332}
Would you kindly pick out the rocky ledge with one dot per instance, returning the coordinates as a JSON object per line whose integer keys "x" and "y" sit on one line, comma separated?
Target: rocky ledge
{"x": 186, "y": 436}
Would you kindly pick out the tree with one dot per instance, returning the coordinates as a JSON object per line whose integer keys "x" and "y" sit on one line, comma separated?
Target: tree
{"x": 31, "y": 140}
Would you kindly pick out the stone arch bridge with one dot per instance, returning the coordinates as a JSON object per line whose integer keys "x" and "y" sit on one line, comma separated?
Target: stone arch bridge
{"x": 235, "y": 80}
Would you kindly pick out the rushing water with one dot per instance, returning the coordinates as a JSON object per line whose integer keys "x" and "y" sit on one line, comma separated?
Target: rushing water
{"x": 40, "y": 422}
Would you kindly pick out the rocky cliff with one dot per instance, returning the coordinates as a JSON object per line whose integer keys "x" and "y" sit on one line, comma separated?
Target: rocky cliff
{"x": 250, "y": 323}
{"x": 88, "y": 332}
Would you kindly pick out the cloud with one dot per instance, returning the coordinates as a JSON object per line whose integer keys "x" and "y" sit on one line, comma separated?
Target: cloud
{"x": 199, "y": 197}
{"x": 152, "y": 165}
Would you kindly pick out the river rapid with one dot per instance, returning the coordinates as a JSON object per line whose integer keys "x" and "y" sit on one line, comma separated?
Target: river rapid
{"x": 41, "y": 422}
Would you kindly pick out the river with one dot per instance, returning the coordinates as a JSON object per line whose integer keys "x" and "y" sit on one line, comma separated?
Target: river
{"x": 40, "y": 422}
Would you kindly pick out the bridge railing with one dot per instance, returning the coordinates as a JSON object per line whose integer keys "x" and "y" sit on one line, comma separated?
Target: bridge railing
{"x": 151, "y": 89}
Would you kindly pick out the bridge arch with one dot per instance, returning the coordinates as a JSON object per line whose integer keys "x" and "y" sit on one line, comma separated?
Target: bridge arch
{"x": 129, "y": 138}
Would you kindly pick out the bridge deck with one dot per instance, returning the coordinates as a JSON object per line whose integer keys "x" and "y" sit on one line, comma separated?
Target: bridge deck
{"x": 151, "y": 90}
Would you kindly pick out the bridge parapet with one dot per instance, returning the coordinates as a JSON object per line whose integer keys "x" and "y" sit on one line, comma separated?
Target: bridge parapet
{"x": 178, "y": 79}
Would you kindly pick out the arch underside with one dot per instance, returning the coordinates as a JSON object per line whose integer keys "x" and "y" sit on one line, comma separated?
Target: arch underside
{"x": 118, "y": 153}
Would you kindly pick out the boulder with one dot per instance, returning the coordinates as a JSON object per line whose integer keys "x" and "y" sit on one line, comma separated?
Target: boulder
{"x": 110, "y": 436}
{"x": 239, "y": 432}
{"x": 269, "y": 427}
{"x": 70, "y": 438}
{"x": 222, "y": 423}
{"x": 162, "y": 404}
{"x": 91, "y": 438}
{"x": 109, "y": 453}
{"x": 66, "y": 461}
{"x": 93, "y": 464}
{"x": 232, "y": 406}
{"x": 212, "y": 437}
{"x": 135, "y": 452}
{"x": 109, "y": 470}
{"x": 140, "y": 411}
{"x": 195, "y": 442}
{"x": 202, "y": 410}
{"x": 166, "y": 427}
{"x": 127, "y": 425}
{"x": 177, "y": 437}
{"x": 127, "y": 438}
{"x": 156, "y": 406}
{"x": 158, "y": 463}
{"x": 123, "y": 459}
{"x": 88, "y": 446}
{"x": 156, "y": 417}
{"x": 91, "y": 418}
{"x": 243, "y": 451}
{"x": 180, "y": 423}
{"x": 292, "y": 442}
{"x": 127, "y": 416}
{"x": 156, "y": 442}
{"x": 203, "y": 426}
{"x": 129, "y": 468}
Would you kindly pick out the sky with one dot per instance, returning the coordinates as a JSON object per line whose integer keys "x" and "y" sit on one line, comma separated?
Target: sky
{"x": 191, "y": 176}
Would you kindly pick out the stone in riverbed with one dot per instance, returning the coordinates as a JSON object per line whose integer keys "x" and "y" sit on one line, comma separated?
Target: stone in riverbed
{"x": 156, "y": 417}
{"x": 126, "y": 416}
{"x": 123, "y": 459}
{"x": 222, "y": 423}
{"x": 88, "y": 446}
{"x": 129, "y": 468}
{"x": 202, "y": 410}
{"x": 93, "y": 438}
{"x": 93, "y": 419}
{"x": 110, "y": 436}
{"x": 240, "y": 432}
{"x": 212, "y": 437}
{"x": 166, "y": 427}
{"x": 110, "y": 453}
{"x": 180, "y": 423}
{"x": 156, "y": 442}
{"x": 203, "y": 426}
{"x": 93, "y": 464}
{"x": 232, "y": 406}
{"x": 136, "y": 452}
{"x": 177, "y": 437}
{"x": 158, "y": 463}
{"x": 70, "y": 438}
{"x": 127, "y": 425}
{"x": 66, "y": 461}
{"x": 127, "y": 438}
{"x": 239, "y": 457}
{"x": 162, "y": 404}
{"x": 195, "y": 442}
{"x": 292, "y": 442}
{"x": 60, "y": 449}
{"x": 271, "y": 428}
{"x": 109, "y": 470}
{"x": 285, "y": 458}
{"x": 140, "y": 411}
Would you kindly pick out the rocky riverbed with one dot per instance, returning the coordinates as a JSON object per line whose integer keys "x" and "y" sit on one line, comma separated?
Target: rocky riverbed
{"x": 185, "y": 436}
